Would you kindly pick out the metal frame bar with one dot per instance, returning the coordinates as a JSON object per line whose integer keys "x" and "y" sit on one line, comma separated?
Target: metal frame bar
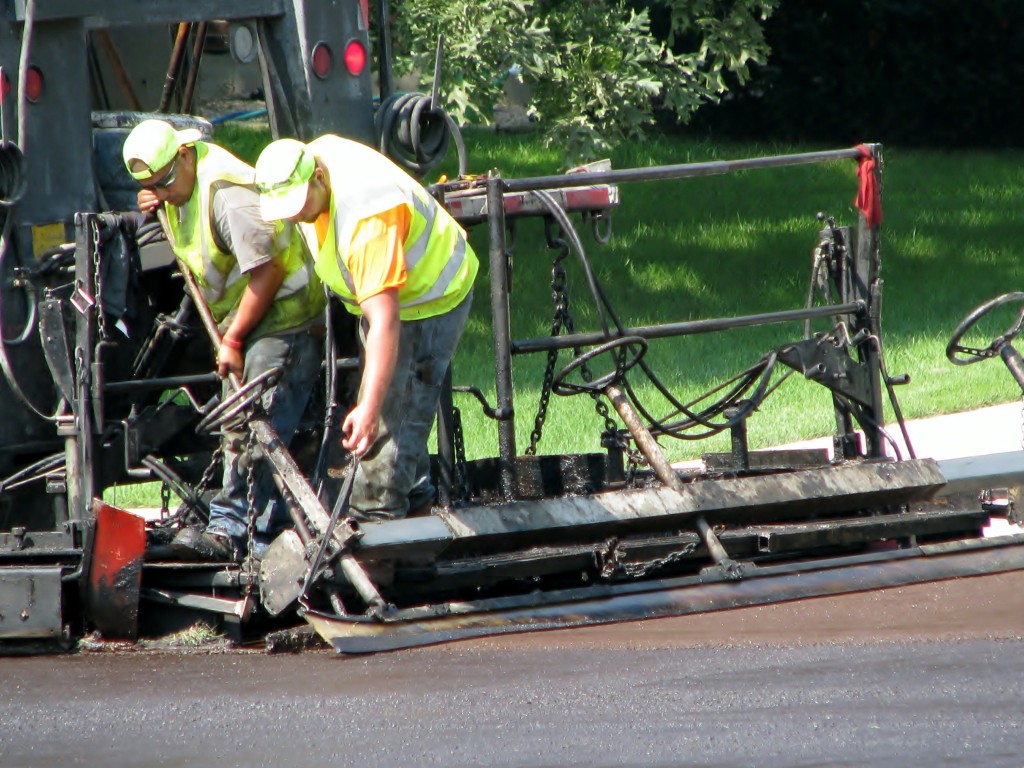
{"x": 101, "y": 13}
{"x": 866, "y": 260}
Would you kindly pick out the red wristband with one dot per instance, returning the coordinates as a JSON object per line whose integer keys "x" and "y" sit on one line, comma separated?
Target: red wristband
{"x": 231, "y": 343}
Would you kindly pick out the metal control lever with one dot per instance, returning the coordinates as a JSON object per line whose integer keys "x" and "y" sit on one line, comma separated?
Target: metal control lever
{"x": 645, "y": 442}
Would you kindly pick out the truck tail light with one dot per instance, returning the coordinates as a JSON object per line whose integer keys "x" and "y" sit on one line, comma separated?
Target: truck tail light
{"x": 355, "y": 57}
{"x": 34, "y": 84}
{"x": 322, "y": 58}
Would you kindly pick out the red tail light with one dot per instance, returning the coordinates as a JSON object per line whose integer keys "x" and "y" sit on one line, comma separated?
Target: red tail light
{"x": 322, "y": 59}
{"x": 355, "y": 57}
{"x": 34, "y": 84}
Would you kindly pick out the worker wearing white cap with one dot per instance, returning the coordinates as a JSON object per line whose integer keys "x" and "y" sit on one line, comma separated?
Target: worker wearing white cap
{"x": 260, "y": 287}
{"x": 395, "y": 257}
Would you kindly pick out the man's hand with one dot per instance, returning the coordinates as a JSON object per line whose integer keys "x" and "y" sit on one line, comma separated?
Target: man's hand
{"x": 360, "y": 430}
{"x": 148, "y": 200}
{"x": 380, "y": 352}
{"x": 229, "y": 361}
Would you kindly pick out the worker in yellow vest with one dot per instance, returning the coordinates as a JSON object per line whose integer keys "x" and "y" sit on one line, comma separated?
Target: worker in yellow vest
{"x": 259, "y": 283}
{"x": 398, "y": 260}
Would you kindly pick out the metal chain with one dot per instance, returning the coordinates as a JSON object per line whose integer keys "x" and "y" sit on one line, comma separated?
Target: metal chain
{"x": 204, "y": 482}
{"x": 165, "y": 500}
{"x": 560, "y": 297}
{"x": 250, "y": 498}
{"x": 613, "y": 561}
{"x": 562, "y": 320}
{"x": 97, "y": 279}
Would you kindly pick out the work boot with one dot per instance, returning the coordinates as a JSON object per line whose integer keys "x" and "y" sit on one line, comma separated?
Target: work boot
{"x": 204, "y": 546}
{"x": 423, "y": 510}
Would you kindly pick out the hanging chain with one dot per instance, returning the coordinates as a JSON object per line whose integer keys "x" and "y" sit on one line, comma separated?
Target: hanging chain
{"x": 165, "y": 500}
{"x": 204, "y": 482}
{"x": 97, "y": 278}
{"x": 250, "y": 497}
{"x": 560, "y": 320}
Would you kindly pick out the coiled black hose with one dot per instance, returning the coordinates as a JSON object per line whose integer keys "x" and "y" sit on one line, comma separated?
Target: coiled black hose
{"x": 416, "y": 133}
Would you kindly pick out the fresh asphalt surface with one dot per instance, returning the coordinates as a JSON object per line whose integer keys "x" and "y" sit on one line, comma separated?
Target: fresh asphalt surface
{"x": 926, "y": 675}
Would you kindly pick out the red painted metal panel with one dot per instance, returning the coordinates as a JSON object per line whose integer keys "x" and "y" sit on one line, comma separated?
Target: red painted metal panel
{"x": 115, "y": 572}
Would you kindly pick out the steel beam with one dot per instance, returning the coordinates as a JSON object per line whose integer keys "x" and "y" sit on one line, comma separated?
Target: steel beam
{"x": 103, "y": 13}
{"x": 973, "y": 473}
{"x": 787, "y": 496}
{"x": 696, "y": 595}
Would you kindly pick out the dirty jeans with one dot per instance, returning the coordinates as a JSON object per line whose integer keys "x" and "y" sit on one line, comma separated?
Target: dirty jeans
{"x": 394, "y": 475}
{"x": 298, "y": 354}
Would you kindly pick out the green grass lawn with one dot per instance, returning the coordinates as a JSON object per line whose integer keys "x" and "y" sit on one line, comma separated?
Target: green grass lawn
{"x": 740, "y": 244}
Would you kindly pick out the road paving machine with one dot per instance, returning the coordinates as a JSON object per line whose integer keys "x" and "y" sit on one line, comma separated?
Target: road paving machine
{"x": 108, "y": 380}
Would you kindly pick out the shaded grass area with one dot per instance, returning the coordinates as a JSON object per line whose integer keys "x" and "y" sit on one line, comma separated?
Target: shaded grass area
{"x": 740, "y": 244}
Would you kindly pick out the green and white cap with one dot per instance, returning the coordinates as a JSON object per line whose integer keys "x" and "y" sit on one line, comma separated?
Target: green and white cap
{"x": 154, "y": 143}
{"x": 283, "y": 171}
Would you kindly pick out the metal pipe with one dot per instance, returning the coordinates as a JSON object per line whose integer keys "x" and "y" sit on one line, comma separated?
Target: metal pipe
{"x": 684, "y": 171}
{"x": 174, "y": 65}
{"x": 687, "y": 328}
{"x": 499, "y": 266}
{"x": 1014, "y": 362}
{"x": 386, "y": 75}
{"x": 168, "y": 382}
{"x": 649, "y": 447}
{"x": 193, "y": 72}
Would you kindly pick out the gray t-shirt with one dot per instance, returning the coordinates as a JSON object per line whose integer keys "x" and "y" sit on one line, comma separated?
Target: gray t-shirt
{"x": 239, "y": 228}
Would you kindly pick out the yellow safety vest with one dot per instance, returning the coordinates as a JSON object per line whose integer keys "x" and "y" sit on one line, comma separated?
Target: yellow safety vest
{"x": 440, "y": 265}
{"x": 300, "y": 297}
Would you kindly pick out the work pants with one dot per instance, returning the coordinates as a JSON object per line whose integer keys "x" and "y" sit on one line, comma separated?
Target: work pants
{"x": 298, "y": 355}
{"x": 394, "y": 475}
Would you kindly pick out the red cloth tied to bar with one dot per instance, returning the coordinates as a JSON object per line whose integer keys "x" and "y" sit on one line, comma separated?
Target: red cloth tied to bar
{"x": 869, "y": 196}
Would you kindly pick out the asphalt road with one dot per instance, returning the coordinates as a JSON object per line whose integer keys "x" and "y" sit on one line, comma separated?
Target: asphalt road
{"x": 928, "y": 675}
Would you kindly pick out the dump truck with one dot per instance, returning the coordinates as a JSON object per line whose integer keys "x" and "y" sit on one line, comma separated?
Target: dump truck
{"x": 108, "y": 379}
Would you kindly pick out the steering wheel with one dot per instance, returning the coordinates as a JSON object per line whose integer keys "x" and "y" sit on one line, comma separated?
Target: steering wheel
{"x": 968, "y": 355}
{"x": 560, "y": 386}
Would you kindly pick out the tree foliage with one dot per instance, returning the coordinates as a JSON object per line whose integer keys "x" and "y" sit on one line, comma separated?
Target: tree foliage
{"x": 597, "y": 71}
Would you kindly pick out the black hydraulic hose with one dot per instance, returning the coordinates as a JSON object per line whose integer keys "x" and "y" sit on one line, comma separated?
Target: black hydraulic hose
{"x": 36, "y": 471}
{"x": 603, "y": 305}
{"x": 416, "y": 133}
{"x": 5, "y": 361}
{"x": 330, "y": 406}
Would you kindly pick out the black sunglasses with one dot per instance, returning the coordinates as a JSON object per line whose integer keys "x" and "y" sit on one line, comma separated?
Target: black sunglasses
{"x": 169, "y": 178}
